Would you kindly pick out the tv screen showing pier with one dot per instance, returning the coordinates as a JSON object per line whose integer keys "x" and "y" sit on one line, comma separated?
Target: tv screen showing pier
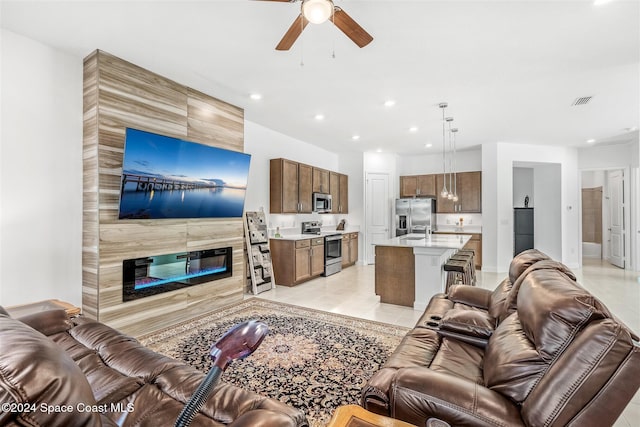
{"x": 165, "y": 177}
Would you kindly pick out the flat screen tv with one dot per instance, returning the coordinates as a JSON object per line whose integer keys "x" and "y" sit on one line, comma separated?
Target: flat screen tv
{"x": 164, "y": 177}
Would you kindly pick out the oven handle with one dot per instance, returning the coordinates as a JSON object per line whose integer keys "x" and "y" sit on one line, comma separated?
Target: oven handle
{"x": 338, "y": 237}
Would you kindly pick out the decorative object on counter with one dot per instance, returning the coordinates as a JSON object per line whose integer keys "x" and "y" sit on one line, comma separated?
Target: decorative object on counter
{"x": 461, "y": 222}
{"x": 286, "y": 365}
{"x": 278, "y": 232}
{"x": 341, "y": 225}
{"x": 260, "y": 271}
{"x": 526, "y": 201}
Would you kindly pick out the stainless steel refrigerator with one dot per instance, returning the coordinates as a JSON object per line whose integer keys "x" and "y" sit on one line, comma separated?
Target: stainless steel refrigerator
{"x": 415, "y": 216}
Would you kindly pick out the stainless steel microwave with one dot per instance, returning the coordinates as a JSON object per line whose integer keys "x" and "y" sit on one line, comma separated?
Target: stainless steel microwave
{"x": 321, "y": 202}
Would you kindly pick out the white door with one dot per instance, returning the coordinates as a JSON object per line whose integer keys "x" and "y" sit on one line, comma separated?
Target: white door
{"x": 616, "y": 218}
{"x": 377, "y": 212}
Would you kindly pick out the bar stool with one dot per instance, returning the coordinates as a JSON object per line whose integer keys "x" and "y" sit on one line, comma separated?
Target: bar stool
{"x": 458, "y": 272}
{"x": 465, "y": 254}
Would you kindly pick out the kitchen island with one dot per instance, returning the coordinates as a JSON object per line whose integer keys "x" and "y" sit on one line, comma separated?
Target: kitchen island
{"x": 409, "y": 269}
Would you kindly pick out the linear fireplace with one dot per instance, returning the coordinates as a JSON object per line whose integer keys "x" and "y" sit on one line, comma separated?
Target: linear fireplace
{"x": 143, "y": 277}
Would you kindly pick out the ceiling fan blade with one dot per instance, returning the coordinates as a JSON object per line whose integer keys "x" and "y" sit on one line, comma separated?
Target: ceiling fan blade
{"x": 347, "y": 25}
{"x": 292, "y": 33}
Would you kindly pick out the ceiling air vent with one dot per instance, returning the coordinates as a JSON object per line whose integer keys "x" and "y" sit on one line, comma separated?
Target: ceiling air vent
{"x": 582, "y": 100}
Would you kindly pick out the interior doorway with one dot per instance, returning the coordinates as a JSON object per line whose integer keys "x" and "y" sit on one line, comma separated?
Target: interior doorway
{"x": 605, "y": 215}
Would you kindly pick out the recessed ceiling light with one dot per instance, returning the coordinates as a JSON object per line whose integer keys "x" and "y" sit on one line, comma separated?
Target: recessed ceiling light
{"x": 379, "y": 150}
{"x": 355, "y": 137}
{"x": 389, "y": 103}
{"x": 319, "y": 117}
{"x": 590, "y": 141}
{"x": 428, "y": 145}
{"x": 255, "y": 96}
{"x": 413, "y": 129}
{"x": 601, "y": 2}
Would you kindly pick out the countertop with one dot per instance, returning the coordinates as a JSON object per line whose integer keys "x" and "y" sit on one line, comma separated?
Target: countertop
{"x": 312, "y": 236}
{"x": 471, "y": 229}
{"x": 437, "y": 241}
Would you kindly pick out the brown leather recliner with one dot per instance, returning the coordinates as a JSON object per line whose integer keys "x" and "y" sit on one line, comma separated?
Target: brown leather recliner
{"x": 56, "y": 371}
{"x": 559, "y": 359}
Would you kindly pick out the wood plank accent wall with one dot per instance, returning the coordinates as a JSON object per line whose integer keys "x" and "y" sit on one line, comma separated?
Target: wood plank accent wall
{"x": 117, "y": 95}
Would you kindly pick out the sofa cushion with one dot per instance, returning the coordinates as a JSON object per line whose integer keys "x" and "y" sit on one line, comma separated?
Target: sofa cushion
{"x": 510, "y": 302}
{"x": 459, "y": 359}
{"x": 524, "y": 260}
{"x": 552, "y": 309}
{"x": 35, "y": 371}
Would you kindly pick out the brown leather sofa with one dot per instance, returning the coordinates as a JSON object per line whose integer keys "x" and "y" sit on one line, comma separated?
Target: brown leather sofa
{"x": 539, "y": 350}
{"x": 57, "y": 371}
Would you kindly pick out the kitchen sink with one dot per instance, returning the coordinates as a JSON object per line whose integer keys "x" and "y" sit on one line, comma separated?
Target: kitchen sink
{"x": 412, "y": 238}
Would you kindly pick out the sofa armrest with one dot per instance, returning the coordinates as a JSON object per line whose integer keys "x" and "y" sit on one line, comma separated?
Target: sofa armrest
{"x": 470, "y": 295}
{"x": 48, "y": 322}
{"x": 421, "y": 393}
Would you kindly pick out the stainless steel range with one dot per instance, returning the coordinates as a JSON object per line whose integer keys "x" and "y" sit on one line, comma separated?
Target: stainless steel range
{"x": 332, "y": 246}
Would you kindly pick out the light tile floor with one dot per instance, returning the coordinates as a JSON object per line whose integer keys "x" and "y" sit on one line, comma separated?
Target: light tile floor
{"x": 352, "y": 293}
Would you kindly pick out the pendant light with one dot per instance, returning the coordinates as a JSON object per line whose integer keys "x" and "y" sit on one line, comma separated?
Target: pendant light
{"x": 450, "y": 194}
{"x": 444, "y": 192}
{"x": 455, "y": 167}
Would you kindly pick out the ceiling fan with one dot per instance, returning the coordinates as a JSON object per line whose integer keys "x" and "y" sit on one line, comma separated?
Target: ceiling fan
{"x": 317, "y": 12}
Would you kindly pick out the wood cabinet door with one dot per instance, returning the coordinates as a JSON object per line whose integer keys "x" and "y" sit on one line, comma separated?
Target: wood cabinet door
{"x": 345, "y": 250}
{"x": 303, "y": 264}
{"x": 408, "y": 186}
{"x": 444, "y": 205}
{"x": 344, "y": 193}
{"x": 427, "y": 185}
{"x": 353, "y": 249}
{"x": 470, "y": 192}
{"x": 320, "y": 180}
{"x": 317, "y": 260}
{"x": 289, "y": 186}
{"x": 334, "y": 190}
{"x": 305, "y": 187}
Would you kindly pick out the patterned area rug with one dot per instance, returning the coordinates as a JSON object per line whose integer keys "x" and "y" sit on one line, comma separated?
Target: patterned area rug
{"x": 312, "y": 360}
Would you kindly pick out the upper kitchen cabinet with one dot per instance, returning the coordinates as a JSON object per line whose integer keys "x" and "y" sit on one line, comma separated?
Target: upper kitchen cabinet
{"x": 290, "y": 187}
{"x": 418, "y": 186}
{"x": 320, "y": 180}
{"x": 469, "y": 189}
{"x": 339, "y": 186}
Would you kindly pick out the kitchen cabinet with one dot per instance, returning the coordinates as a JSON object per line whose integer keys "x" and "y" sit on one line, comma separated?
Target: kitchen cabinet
{"x": 418, "y": 186}
{"x": 290, "y": 188}
{"x": 296, "y": 261}
{"x": 339, "y": 190}
{"x": 320, "y": 180}
{"x": 349, "y": 249}
{"x": 469, "y": 189}
{"x": 475, "y": 243}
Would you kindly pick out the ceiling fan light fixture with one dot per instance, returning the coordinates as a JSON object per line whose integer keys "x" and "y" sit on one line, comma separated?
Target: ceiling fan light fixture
{"x": 317, "y": 11}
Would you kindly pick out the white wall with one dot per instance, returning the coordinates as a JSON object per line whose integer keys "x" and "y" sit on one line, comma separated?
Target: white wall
{"x": 466, "y": 161}
{"x": 547, "y": 222}
{"x": 592, "y": 179}
{"x": 264, "y": 144}
{"x": 498, "y": 160}
{"x": 522, "y": 187}
{"x": 40, "y": 173}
